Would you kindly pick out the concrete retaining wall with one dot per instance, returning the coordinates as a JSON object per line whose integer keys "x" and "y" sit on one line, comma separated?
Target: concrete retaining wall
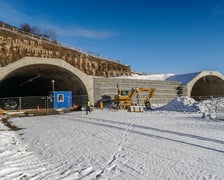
{"x": 165, "y": 90}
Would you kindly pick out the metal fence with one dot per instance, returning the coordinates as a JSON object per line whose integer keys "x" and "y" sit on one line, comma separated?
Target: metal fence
{"x": 201, "y": 98}
{"x": 32, "y": 102}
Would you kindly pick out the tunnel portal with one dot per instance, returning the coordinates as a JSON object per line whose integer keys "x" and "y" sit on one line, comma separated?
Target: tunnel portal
{"x": 208, "y": 86}
{"x": 39, "y": 80}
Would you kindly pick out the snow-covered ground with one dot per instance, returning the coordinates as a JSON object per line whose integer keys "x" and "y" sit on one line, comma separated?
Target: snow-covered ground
{"x": 169, "y": 142}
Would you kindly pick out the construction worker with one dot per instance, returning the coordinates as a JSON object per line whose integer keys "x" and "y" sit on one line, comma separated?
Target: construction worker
{"x": 101, "y": 104}
{"x": 88, "y": 110}
{"x": 1, "y": 111}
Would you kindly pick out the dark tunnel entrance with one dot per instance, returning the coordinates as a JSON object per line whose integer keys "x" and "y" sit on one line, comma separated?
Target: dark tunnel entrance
{"x": 208, "y": 86}
{"x": 36, "y": 80}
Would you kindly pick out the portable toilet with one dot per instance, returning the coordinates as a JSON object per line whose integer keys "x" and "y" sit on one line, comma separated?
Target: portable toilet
{"x": 61, "y": 99}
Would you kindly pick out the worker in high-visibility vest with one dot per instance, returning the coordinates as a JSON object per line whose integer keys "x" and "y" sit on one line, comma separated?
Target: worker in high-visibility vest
{"x": 1, "y": 111}
{"x": 88, "y": 110}
{"x": 101, "y": 104}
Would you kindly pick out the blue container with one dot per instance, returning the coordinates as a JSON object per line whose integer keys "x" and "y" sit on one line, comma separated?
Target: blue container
{"x": 62, "y": 99}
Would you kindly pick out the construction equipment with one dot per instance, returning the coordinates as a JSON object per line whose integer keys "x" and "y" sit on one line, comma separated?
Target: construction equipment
{"x": 124, "y": 98}
{"x": 10, "y": 104}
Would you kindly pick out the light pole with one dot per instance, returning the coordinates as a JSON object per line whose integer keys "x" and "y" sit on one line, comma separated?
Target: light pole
{"x": 53, "y": 81}
{"x": 52, "y": 97}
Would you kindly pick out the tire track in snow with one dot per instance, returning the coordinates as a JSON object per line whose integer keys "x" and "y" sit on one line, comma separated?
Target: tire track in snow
{"x": 55, "y": 169}
{"x": 160, "y": 130}
{"x": 111, "y": 164}
{"x": 152, "y": 132}
{"x": 19, "y": 163}
{"x": 14, "y": 157}
{"x": 14, "y": 163}
{"x": 118, "y": 163}
{"x": 117, "y": 167}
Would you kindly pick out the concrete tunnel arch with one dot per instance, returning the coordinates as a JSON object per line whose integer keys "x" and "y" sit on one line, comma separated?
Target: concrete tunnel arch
{"x": 206, "y": 84}
{"x": 31, "y": 73}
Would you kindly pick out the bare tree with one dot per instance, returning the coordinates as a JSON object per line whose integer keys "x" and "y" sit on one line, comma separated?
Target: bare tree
{"x": 26, "y": 27}
{"x": 36, "y": 30}
{"x": 50, "y": 34}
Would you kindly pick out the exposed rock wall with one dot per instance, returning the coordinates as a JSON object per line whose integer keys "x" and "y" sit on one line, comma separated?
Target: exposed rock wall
{"x": 14, "y": 45}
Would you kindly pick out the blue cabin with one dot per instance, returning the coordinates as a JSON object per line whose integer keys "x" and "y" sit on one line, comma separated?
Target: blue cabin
{"x": 61, "y": 99}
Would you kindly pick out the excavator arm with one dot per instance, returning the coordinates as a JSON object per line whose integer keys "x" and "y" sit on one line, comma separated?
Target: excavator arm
{"x": 147, "y": 100}
{"x": 132, "y": 92}
{"x": 150, "y": 95}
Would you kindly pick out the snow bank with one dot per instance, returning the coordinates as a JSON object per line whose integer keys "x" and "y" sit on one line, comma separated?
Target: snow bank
{"x": 215, "y": 104}
{"x": 212, "y": 108}
{"x": 209, "y": 108}
{"x": 181, "y": 104}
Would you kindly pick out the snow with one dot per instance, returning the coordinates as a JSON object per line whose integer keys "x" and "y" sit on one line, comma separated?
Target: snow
{"x": 160, "y": 77}
{"x": 183, "y": 78}
{"x": 182, "y": 104}
{"x": 169, "y": 142}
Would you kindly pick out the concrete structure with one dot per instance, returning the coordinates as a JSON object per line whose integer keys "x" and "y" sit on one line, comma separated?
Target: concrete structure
{"x": 33, "y": 76}
{"x": 107, "y": 88}
{"x": 29, "y": 63}
{"x": 201, "y": 85}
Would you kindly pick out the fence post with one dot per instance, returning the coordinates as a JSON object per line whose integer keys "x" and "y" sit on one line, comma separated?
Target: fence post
{"x": 20, "y": 102}
{"x": 46, "y": 101}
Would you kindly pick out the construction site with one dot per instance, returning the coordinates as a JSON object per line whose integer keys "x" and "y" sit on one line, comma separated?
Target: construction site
{"x": 38, "y": 73}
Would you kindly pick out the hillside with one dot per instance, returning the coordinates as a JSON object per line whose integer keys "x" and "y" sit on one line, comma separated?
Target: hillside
{"x": 16, "y": 45}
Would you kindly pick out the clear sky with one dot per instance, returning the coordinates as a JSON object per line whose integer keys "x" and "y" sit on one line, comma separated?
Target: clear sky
{"x": 153, "y": 36}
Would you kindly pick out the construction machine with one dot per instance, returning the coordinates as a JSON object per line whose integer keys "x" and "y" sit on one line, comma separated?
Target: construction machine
{"x": 124, "y": 98}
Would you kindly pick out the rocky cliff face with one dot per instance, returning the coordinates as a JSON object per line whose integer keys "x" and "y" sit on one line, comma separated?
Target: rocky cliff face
{"x": 14, "y": 45}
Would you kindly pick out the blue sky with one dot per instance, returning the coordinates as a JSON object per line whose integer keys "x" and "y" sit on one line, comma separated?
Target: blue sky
{"x": 153, "y": 36}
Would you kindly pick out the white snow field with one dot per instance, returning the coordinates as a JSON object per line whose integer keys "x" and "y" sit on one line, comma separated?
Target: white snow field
{"x": 170, "y": 142}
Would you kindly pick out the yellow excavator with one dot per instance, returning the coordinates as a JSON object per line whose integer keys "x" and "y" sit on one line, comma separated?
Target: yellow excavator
{"x": 124, "y": 98}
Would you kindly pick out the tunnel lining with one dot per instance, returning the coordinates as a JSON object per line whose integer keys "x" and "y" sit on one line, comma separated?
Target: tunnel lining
{"x": 206, "y": 84}
{"x": 57, "y": 69}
